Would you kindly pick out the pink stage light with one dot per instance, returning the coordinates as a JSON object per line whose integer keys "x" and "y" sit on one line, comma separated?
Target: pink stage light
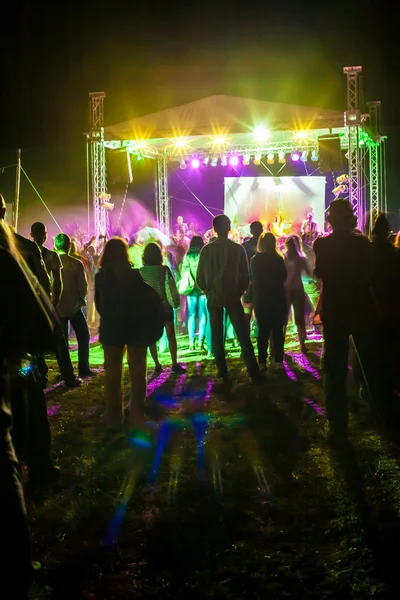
{"x": 295, "y": 156}
{"x": 195, "y": 163}
{"x": 234, "y": 161}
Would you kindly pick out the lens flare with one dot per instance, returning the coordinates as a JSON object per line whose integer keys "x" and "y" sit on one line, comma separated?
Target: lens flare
{"x": 234, "y": 161}
{"x": 261, "y": 134}
{"x": 195, "y": 163}
{"x": 220, "y": 140}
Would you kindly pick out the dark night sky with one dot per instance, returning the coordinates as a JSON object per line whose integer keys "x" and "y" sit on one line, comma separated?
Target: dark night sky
{"x": 147, "y": 56}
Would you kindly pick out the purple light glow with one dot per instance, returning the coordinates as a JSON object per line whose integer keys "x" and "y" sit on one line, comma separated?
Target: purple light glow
{"x": 295, "y": 156}
{"x": 156, "y": 383}
{"x": 233, "y": 161}
{"x": 53, "y": 410}
{"x": 304, "y": 363}
{"x": 195, "y": 163}
{"x": 317, "y": 408}
{"x": 179, "y": 385}
{"x": 291, "y": 374}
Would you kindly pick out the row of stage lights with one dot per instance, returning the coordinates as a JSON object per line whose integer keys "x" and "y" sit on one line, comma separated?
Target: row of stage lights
{"x": 234, "y": 159}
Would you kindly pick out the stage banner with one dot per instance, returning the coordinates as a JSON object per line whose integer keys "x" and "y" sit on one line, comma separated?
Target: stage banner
{"x": 250, "y": 199}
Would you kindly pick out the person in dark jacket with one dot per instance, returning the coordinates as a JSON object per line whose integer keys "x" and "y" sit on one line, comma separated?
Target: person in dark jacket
{"x": 343, "y": 262}
{"x": 268, "y": 276}
{"x": 20, "y": 308}
{"x": 131, "y": 316}
{"x": 223, "y": 275}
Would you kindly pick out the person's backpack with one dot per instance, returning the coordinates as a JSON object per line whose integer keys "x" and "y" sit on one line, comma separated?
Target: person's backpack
{"x": 186, "y": 284}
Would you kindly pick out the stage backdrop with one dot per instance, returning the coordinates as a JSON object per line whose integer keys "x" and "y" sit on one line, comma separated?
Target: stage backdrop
{"x": 250, "y": 199}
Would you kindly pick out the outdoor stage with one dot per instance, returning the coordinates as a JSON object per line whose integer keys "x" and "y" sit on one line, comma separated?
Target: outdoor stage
{"x": 243, "y": 138}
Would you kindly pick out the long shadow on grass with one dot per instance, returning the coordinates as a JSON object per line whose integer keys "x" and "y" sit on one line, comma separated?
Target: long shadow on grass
{"x": 380, "y": 520}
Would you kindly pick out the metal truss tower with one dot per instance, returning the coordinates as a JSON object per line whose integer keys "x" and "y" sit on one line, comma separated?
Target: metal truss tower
{"x": 98, "y": 162}
{"x": 376, "y": 162}
{"x": 162, "y": 200}
{"x": 353, "y": 122}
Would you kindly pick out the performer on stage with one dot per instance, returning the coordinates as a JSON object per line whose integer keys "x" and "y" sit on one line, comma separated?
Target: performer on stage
{"x": 180, "y": 228}
{"x": 309, "y": 230}
{"x": 278, "y": 226}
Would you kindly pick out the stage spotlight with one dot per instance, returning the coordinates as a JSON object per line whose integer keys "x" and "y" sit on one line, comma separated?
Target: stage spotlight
{"x": 224, "y": 161}
{"x": 179, "y": 143}
{"x": 314, "y": 156}
{"x": 139, "y": 156}
{"x": 183, "y": 164}
{"x": 246, "y": 159}
{"x": 281, "y": 158}
{"x": 342, "y": 179}
{"x": 195, "y": 163}
{"x": 261, "y": 134}
{"x": 214, "y": 161}
{"x": 301, "y": 135}
{"x": 234, "y": 161}
{"x": 257, "y": 158}
{"x": 303, "y": 156}
{"x": 295, "y": 156}
{"x": 219, "y": 140}
{"x": 140, "y": 145}
{"x": 206, "y": 161}
{"x": 270, "y": 158}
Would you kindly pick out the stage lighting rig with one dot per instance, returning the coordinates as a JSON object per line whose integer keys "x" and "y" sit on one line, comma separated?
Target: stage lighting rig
{"x": 270, "y": 158}
{"x": 105, "y": 201}
{"x": 281, "y": 158}
{"x": 342, "y": 179}
{"x": 340, "y": 189}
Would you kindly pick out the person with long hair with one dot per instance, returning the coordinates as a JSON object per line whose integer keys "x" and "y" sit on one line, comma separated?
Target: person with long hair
{"x": 268, "y": 275}
{"x": 128, "y": 307}
{"x": 296, "y": 265}
{"x": 160, "y": 278}
{"x": 196, "y": 300}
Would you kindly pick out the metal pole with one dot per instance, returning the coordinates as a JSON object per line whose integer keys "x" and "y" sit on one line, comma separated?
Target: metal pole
{"x": 17, "y": 189}
{"x": 88, "y": 173}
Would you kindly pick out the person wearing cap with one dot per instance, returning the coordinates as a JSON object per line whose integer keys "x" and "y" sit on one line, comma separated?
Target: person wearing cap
{"x": 343, "y": 261}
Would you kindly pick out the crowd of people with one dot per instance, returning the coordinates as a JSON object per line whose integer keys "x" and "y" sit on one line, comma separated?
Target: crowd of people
{"x": 140, "y": 293}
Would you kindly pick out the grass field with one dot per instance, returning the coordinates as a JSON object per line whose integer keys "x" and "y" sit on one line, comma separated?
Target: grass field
{"x": 225, "y": 494}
